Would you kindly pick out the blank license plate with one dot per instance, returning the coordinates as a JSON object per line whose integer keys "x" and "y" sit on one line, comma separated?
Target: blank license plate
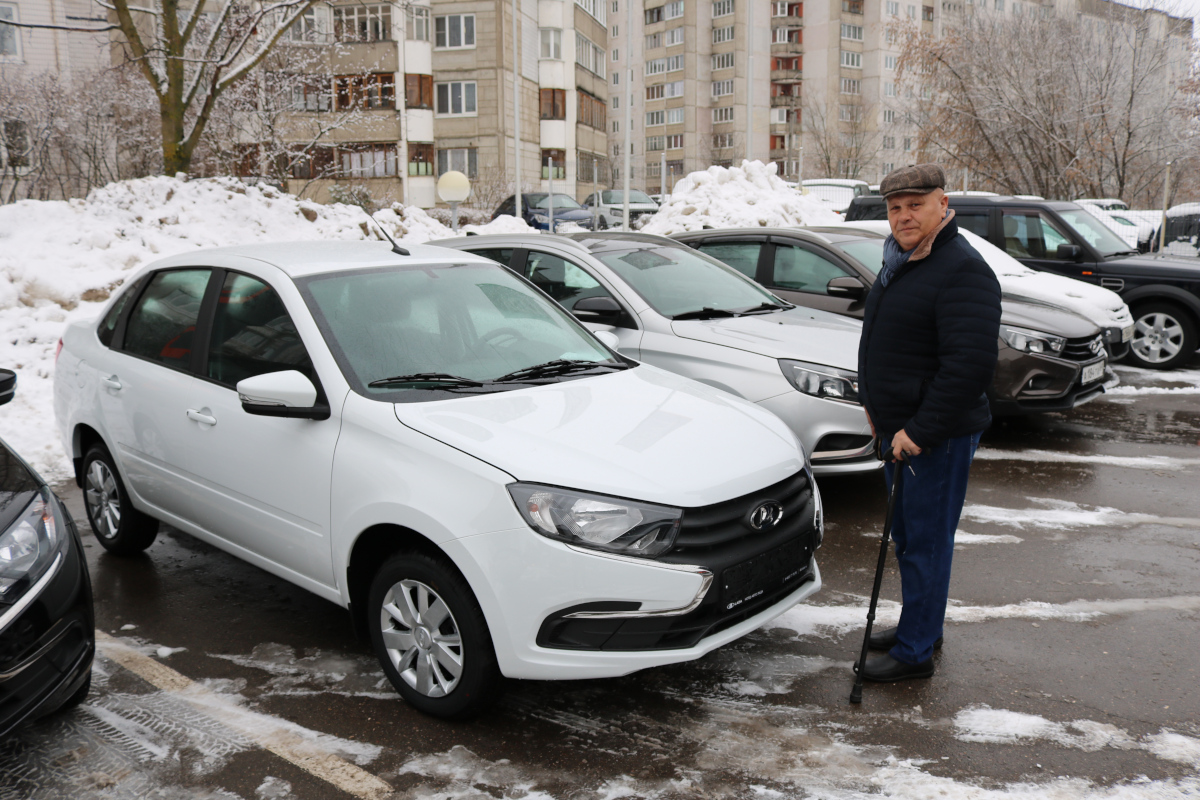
{"x": 1126, "y": 333}
{"x": 1093, "y": 372}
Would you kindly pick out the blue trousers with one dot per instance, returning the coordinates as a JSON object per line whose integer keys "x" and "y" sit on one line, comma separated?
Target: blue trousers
{"x": 925, "y": 519}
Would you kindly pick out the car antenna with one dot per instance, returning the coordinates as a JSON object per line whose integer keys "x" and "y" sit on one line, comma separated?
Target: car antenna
{"x": 395, "y": 247}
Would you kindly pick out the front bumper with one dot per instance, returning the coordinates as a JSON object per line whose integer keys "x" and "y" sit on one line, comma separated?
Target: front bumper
{"x": 1027, "y": 383}
{"x": 837, "y": 436}
{"x": 46, "y": 648}
{"x": 1116, "y": 340}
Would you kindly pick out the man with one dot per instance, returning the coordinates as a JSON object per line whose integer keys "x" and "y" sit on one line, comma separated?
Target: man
{"x": 925, "y": 360}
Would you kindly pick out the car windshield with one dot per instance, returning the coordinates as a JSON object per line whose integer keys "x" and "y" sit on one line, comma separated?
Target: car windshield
{"x": 868, "y": 252}
{"x": 677, "y": 280}
{"x": 560, "y": 201}
{"x": 1094, "y": 232}
{"x": 477, "y": 322}
{"x": 611, "y": 198}
{"x": 839, "y": 196}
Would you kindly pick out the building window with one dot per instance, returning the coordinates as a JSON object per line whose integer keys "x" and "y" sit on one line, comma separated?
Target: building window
{"x": 893, "y": 8}
{"x": 889, "y": 90}
{"x": 654, "y": 92}
{"x": 14, "y": 142}
{"x": 889, "y": 115}
{"x": 888, "y": 167}
{"x": 654, "y": 143}
{"x": 653, "y": 170}
{"x": 787, "y": 36}
{"x": 593, "y": 7}
{"x": 616, "y": 127}
{"x": 588, "y": 55}
{"x": 852, "y": 32}
{"x": 420, "y": 159}
{"x": 551, "y": 43}
{"x": 366, "y": 91}
{"x": 305, "y": 29}
{"x": 779, "y": 116}
{"x": 779, "y": 9}
{"x": 589, "y": 168}
{"x": 675, "y": 36}
{"x": 418, "y": 91}
{"x": 554, "y": 164}
{"x": 674, "y": 63}
{"x": 907, "y": 144}
{"x": 655, "y": 118}
{"x": 888, "y": 142}
{"x": 311, "y": 93}
{"x": 675, "y": 141}
{"x": 889, "y": 62}
{"x": 614, "y": 31}
{"x": 416, "y": 25}
{"x": 674, "y": 116}
{"x": 722, "y": 8}
{"x": 367, "y": 161}
{"x": 849, "y": 113}
{"x": 616, "y": 78}
{"x": 722, "y": 88}
{"x": 723, "y": 114}
{"x": 720, "y": 141}
{"x": 554, "y": 104}
{"x": 591, "y": 111}
{"x": 454, "y": 31}
{"x": 674, "y": 89}
{"x": 927, "y": 13}
{"x": 722, "y": 61}
{"x": 673, "y": 10}
{"x": 456, "y": 98}
{"x": 852, "y": 6}
{"x": 614, "y": 6}
{"x": 653, "y": 15}
{"x": 616, "y": 102}
{"x": 851, "y": 59}
{"x": 458, "y": 159}
{"x": 850, "y": 86}
{"x": 616, "y": 55}
{"x": 653, "y": 40}
{"x": 724, "y": 34}
{"x": 362, "y": 23}
{"x": 656, "y": 66}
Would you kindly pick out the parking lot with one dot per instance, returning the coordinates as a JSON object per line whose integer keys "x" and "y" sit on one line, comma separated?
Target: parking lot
{"x": 1070, "y": 662}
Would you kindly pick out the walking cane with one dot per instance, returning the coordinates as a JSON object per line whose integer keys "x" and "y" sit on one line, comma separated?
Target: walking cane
{"x": 856, "y": 692}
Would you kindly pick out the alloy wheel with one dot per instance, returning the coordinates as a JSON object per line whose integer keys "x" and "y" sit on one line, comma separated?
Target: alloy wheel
{"x": 103, "y": 499}
{"x": 1157, "y": 337}
{"x": 422, "y": 638}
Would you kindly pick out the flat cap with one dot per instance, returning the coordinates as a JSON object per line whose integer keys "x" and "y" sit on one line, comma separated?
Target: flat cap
{"x": 914, "y": 179}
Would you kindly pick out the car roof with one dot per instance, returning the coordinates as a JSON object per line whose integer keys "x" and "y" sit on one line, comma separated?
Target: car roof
{"x": 803, "y": 233}
{"x": 298, "y": 259}
{"x": 981, "y": 200}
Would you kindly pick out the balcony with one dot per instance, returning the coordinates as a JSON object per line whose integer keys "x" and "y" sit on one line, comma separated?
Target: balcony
{"x": 787, "y": 48}
{"x": 785, "y": 76}
{"x": 785, "y": 101}
{"x": 787, "y": 22}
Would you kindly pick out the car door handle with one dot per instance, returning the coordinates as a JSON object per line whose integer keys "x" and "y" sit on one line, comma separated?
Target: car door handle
{"x": 111, "y": 382}
{"x": 196, "y": 416}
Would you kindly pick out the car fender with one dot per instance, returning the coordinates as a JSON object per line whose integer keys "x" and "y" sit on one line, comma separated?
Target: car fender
{"x": 1161, "y": 291}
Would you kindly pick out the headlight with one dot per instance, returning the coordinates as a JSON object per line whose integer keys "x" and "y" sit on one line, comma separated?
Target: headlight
{"x": 617, "y": 212}
{"x": 28, "y": 547}
{"x": 541, "y": 219}
{"x": 1027, "y": 341}
{"x": 821, "y": 381}
{"x": 603, "y": 523}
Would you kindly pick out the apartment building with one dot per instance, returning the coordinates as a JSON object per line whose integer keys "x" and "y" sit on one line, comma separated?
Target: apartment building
{"x": 430, "y": 84}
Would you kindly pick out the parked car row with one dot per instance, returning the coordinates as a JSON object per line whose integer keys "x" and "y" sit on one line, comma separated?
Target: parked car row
{"x": 601, "y": 210}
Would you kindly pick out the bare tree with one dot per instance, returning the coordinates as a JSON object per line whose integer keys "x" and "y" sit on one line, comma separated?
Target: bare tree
{"x": 846, "y": 138}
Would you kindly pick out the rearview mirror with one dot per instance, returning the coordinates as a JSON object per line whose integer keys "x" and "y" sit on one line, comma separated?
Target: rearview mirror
{"x": 1069, "y": 252}
{"x": 598, "y": 309}
{"x": 8, "y": 385}
{"x": 847, "y": 287}
{"x": 281, "y": 394}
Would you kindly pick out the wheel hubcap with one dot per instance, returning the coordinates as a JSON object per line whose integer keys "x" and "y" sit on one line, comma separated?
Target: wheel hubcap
{"x": 422, "y": 638}
{"x": 103, "y": 500}
{"x": 1157, "y": 338}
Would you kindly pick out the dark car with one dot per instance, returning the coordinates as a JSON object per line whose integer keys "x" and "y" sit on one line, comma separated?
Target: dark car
{"x": 1163, "y": 291}
{"x": 536, "y": 210}
{"x": 1051, "y": 359}
{"x": 47, "y": 633}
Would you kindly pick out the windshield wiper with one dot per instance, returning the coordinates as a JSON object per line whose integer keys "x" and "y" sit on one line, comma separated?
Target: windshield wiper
{"x": 706, "y": 313}
{"x": 439, "y": 378}
{"x": 764, "y": 308}
{"x": 559, "y": 366}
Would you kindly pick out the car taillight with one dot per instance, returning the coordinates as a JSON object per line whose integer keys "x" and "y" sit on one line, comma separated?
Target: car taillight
{"x": 57, "y": 350}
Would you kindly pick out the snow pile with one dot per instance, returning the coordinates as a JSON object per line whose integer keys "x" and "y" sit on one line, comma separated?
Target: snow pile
{"x": 749, "y": 196}
{"x": 61, "y": 260}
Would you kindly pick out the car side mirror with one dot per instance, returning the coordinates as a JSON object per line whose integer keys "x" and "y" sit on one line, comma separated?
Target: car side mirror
{"x": 601, "y": 308}
{"x": 8, "y": 385}
{"x": 1069, "y": 252}
{"x": 847, "y": 287}
{"x": 281, "y": 394}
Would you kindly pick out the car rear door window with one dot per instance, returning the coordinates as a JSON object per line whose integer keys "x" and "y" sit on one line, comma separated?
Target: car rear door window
{"x": 566, "y": 282}
{"x": 742, "y": 256}
{"x": 501, "y": 255}
{"x": 802, "y": 270}
{"x": 108, "y": 326}
{"x": 1031, "y": 234}
{"x": 163, "y": 323}
{"x": 974, "y": 221}
{"x": 252, "y": 334}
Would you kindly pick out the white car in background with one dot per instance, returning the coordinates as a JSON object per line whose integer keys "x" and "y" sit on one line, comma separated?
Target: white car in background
{"x": 686, "y": 312}
{"x": 609, "y": 207}
{"x": 836, "y": 192}
{"x": 425, "y": 439}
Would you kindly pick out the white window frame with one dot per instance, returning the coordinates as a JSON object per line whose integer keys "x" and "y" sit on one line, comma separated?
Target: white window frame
{"x": 722, "y": 88}
{"x": 851, "y": 86}
{"x": 616, "y": 54}
{"x": 674, "y": 36}
{"x": 722, "y": 34}
{"x": 851, "y": 59}
{"x": 889, "y": 89}
{"x": 673, "y": 89}
{"x": 11, "y": 33}
{"x": 383, "y": 162}
{"x": 654, "y": 118}
{"x": 418, "y": 21}
{"x": 674, "y": 63}
{"x": 441, "y": 38}
{"x": 778, "y": 116}
{"x": 724, "y": 114}
{"x": 853, "y": 33}
{"x": 673, "y": 10}
{"x": 674, "y": 141}
{"x": 461, "y": 159}
{"x": 722, "y": 141}
{"x": 889, "y": 62}
{"x": 654, "y": 40}
{"x": 656, "y": 66}
{"x": 377, "y": 16}
{"x": 893, "y": 8}
{"x": 595, "y": 8}
{"x": 780, "y": 9}
{"x": 550, "y": 44}
{"x": 722, "y": 61}
{"x": 675, "y": 116}
{"x": 722, "y": 8}
{"x": 654, "y": 144}
{"x": 473, "y": 93}
{"x": 889, "y": 115}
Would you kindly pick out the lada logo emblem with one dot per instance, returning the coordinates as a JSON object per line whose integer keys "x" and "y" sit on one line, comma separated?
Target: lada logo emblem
{"x": 1097, "y": 345}
{"x": 765, "y": 515}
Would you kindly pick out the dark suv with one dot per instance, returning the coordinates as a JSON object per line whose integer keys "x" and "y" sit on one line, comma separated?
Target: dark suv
{"x": 1163, "y": 292}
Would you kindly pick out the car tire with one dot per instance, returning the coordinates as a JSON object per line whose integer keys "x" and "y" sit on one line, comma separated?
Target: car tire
{"x": 603, "y": 225}
{"x": 119, "y": 527}
{"x": 426, "y": 625}
{"x": 1164, "y": 336}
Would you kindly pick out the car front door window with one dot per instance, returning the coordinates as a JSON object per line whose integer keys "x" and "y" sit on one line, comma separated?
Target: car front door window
{"x": 742, "y": 256}
{"x": 163, "y": 322}
{"x": 1030, "y": 234}
{"x": 802, "y": 270}
{"x": 564, "y": 281}
{"x": 253, "y": 334}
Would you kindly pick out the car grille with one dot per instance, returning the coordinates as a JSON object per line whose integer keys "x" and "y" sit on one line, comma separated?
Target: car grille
{"x": 710, "y": 526}
{"x": 1083, "y": 349}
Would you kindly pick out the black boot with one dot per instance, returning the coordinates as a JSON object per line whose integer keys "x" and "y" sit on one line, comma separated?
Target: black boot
{"x": 885, "y": 669}
{"x": 886, "y": 640}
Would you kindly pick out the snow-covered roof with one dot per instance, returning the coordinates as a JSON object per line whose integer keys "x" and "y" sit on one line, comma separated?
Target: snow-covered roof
{"x": 1184, "y": 210}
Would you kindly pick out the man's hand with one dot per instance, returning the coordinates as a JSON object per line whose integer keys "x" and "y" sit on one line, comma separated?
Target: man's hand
{"x": 902, "y": 445}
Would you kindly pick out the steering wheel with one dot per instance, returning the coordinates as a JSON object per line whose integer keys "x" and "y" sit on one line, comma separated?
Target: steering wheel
{"x": 497, "y": 333}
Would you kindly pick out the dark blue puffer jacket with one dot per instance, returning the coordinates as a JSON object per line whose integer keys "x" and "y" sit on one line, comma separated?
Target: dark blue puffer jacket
{"x": 929, "y": 343}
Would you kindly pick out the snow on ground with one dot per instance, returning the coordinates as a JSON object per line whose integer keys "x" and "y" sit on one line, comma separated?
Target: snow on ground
{"x": 60, "y": 261}
{"x": 749, "y": 196}
{"x": 1053, "y": 514}
{"x": 1158, "y": 463}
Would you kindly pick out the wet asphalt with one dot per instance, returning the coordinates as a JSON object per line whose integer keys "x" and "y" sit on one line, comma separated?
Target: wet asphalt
{"x": 1082, "y": 615}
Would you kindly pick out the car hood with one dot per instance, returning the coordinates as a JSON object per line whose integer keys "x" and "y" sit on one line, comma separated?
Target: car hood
{"x": 1046, "y": 318}
{"x": 1102, "y": 306}
{"x": 1169, "y": 267}
{"x": 642, "y": 433}
{"x": 804, "y": 334}
{"x": 559, "y": 213}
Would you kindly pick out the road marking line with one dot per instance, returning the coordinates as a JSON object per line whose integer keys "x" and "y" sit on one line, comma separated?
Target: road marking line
{"x": 276, "y": 738}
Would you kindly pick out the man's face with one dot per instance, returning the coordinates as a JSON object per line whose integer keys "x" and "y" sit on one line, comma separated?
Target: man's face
{"x": 914, "y": 216}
